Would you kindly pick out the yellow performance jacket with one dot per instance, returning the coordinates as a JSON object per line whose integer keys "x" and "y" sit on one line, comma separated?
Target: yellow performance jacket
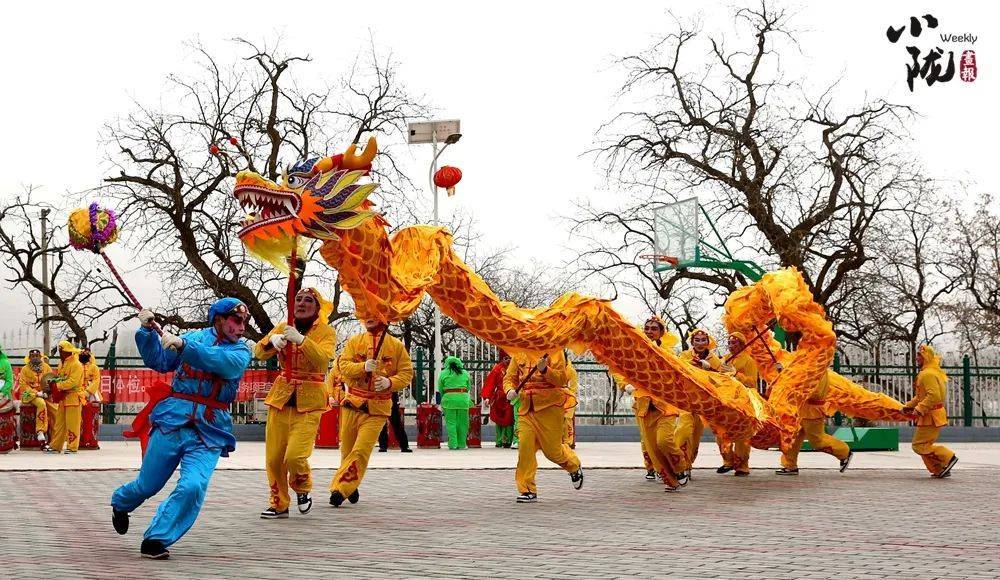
{"x": 930, "y": 392}
{"x": 713, "y": 359}
{"x": 393, "y": 362}
{"x": 92, "y": 380}
{"x": 70, "y": 372}
{"x": 746, "y": 370}
{"x": 543, "y": 389}
{"x": 29, "y": 382}
{"x": 302, "y": 367}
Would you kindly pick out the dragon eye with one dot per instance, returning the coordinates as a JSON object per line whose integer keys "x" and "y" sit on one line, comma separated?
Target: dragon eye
{"x": 296, "y": 181}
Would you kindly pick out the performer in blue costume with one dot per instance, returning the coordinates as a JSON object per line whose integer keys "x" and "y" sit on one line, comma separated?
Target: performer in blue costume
{"x": 188, "y": 422}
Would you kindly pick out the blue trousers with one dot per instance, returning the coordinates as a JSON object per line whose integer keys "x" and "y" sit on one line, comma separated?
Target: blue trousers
{"x": 165, "y": 452}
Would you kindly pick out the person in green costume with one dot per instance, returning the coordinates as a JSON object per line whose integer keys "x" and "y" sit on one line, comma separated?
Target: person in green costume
{"x": 453, "y": 384}
{"x": 8, "y": 421}
{"x": 6, "y": 376}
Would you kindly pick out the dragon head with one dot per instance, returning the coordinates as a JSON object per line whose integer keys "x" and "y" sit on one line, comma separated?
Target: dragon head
{"x": 316, "y": 197}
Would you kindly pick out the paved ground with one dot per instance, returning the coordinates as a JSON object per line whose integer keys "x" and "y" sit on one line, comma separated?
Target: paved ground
{"x": 250, "y": 455}
{"x": 463, "y": 523}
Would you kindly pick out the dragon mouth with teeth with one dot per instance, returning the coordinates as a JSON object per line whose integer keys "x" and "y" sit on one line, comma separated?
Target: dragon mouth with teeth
{"x": 265, "y": 204}
{"x": 315, "y": 198}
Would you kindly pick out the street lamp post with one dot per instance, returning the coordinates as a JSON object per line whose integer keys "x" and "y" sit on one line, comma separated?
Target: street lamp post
{"x": 429, "y": 132}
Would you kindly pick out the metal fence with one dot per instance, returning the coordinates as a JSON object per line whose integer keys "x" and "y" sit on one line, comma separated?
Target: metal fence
{"x": 973, "y": 389}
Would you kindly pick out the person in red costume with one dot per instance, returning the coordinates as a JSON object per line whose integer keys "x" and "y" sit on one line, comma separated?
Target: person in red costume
{"x": 500, "y": 410}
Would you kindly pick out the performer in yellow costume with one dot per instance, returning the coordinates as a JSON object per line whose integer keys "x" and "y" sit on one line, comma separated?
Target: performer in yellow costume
{"x": 30, "y": 384}
{"x": 296, "y": 400}
{"x": 929, "y": 393}
{"x": 657, "y": 420}
{"x": 91, "y": 376}
{"x": 813, "y": 418}
{"x": 745, "y": 370}
{"x": 690, "y": 426}
{"x": 542, "y": 387}
{"x": 70, "y": 385}
{"x": 373, "y": 365}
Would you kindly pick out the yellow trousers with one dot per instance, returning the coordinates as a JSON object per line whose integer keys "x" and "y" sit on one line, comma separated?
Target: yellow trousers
{"x": 67, "y": 431}
{"x": 735, "y": 454}
{"x": 569, "y": 428}
{"x": 358, "y": 435}
{"x": 688, "y": 433}
{"x": 663, "y": 451}
{"x": 289, "y": 438}
{"x": 41, "y": 415}
{"x": 812, "y": 429}
{"x": 646, "y": 461}
{"x": 542, "y": 430}
{"x": 936, "y": 457}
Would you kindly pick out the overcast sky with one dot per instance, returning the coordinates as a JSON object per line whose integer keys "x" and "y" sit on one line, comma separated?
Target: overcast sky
{"x": 530, "y": 81}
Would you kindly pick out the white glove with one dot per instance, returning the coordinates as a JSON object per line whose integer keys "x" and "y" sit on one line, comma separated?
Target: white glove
{"x": 629, "y": 389}
{"x": 42, "y": 395}
{"x": 705, "y": 365}
{"x": 370, "y": 365}
{"x": 278, "y": 341}
{"x": 291, "y": 334}
{"x": 511, "y": 395}
{"x": 145, "y": 316}
{"x": 171, "y": 341}
{"x": 382, "y": 383}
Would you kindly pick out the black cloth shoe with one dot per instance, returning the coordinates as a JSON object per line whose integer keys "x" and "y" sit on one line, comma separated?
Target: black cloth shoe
{"x": 407, "y": 450}
{"x": 577, "y": 478}
{"x": 305, "y": 502}
{"x": 119, "y": 520}
{"x": 336, "y": 499}
{"x": 380, "y": 450}
{"x": 670, "y": 488}
{"x": 154, "y": 550}
{"x": 846, "y": 461}
{"x": 354, "y": 497}
{"x": 784, "y": 471}
{"x": 683, "y": 478}
{"x": 650, "y": 475}
{"x": 724, "y": 469}
{"x": 273, "y": 514}
{"x": 527, "y": 497}
{"x": 946, "y": 472}
{"x": 742, "y": 474}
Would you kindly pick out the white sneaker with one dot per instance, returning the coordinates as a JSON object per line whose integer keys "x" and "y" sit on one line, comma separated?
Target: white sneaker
{"x": 305, "y": 502}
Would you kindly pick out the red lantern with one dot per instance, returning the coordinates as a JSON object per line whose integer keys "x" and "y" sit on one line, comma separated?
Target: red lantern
{"x": 234, "y": 141}
{"x": 448, "y": 177}
{"x": 213, "y": 149}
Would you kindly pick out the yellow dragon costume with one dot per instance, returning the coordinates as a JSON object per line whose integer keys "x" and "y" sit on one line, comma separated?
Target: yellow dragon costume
{"x": 387, "y": 278}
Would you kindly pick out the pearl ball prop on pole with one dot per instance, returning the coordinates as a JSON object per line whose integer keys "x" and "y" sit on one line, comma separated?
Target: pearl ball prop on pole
{"x": 94, "y": 228}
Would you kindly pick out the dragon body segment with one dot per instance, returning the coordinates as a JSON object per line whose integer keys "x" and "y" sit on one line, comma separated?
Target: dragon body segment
{"x": 387, "y": 279}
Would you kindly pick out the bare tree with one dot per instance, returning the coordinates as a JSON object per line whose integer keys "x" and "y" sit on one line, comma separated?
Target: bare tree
{"x": 176, "y": 195}
{"x": 910, "y": 276}
{"x": 977, "y": 251}
{"x": 798, "y": 182}
{"x": 79, "y": 293}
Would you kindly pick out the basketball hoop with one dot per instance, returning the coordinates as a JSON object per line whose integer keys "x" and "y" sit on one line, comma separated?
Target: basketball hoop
{"x": 661, "y": 259}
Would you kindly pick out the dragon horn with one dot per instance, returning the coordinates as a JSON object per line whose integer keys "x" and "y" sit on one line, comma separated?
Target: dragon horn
{"x": 352, "y": 161}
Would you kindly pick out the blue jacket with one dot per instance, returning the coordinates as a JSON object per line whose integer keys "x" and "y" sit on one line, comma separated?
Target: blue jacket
{"x": 202, "y": 352}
